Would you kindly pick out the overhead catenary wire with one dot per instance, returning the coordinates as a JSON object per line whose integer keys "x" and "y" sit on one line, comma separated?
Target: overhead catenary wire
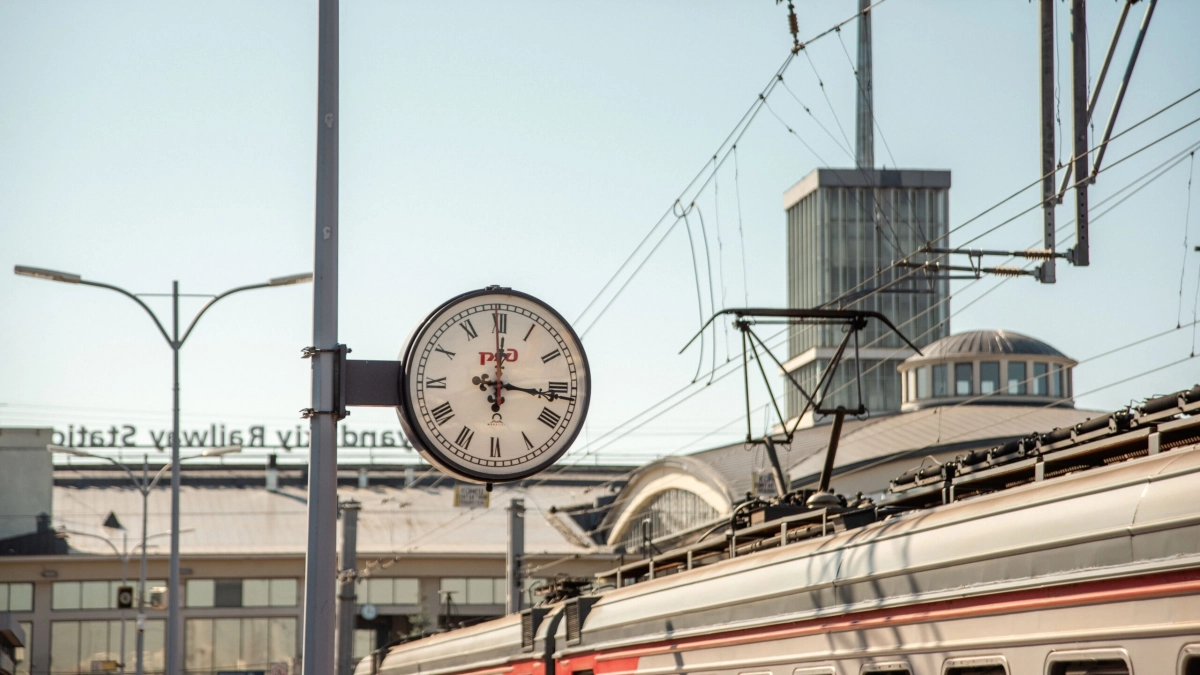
{"x": 1186, "y": 217}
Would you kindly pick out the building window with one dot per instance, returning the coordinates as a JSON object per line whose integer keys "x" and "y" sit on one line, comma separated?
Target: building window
{"x": 1041, "y": 380}
{"x": 91, "y": 594}
{"x": 923, "y": 382}
{"x": 213, "y": 645}
{"x": 941, "y": 382}
{"x": 1056, "y": 388}
{"x": 74, "y": 645}
{"x": 1016, "y": 378}
{"x": 24, "y": 653}
{"x": 963, "y": 379}
{"x": 16, "y": 597}
{"x": 989, "y": 377}
{"x": 241, "y": 593}
{"x": 669, "y": 512}
{"x": 377, "y": 591}
{"x": 473, "y": 591}
{"x": 364, "y": 642}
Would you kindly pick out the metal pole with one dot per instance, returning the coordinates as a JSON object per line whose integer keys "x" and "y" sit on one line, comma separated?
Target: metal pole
{"x": 320, "y": 565}
{"x": 835, "y": 435}
{"x": 864, "y": 128}
{"x": 141, "y": 613}
{"x": 124, "y": 581}
{"x": 1112, "y": 117}
{"x": 174, "y": 634}
{"x": 1079, "y": 75}
{"x": 514, "y": 560}
{"x": 346, "y": 598}
{"x": 1049, "y": 196}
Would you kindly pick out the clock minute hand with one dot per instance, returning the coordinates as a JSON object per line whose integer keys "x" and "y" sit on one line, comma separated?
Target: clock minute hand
{"x": 548, "y": 395}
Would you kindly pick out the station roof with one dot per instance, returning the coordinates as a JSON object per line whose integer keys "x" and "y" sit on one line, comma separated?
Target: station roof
{"x": 241, "y": 517}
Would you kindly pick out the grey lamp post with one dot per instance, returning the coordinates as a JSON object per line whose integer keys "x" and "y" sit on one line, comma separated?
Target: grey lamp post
{"x": 174, "y": 661}
{"x": 145, "y": 485}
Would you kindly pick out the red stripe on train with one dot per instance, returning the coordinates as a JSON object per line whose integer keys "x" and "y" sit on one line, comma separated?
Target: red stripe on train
{"x": 1088, "y": 593}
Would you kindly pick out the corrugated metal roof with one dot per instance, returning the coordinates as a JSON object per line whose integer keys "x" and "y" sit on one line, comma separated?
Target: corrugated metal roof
{"x": 229, "y": 520}
{"x": 890, "y": 436}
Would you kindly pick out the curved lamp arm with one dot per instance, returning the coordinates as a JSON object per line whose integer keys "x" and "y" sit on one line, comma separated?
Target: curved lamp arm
{"x": 111, "y": 545}
{"x": 136, "y": 299}
{"x": 76, "y": 452}
{"x": 277, "y": 281}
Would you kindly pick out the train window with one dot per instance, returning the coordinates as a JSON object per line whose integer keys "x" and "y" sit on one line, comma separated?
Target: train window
{"x": 1089, "y": 662}
{"x": 976, "y": 665}
{"x": 891, "y": 668}
{"x": 1189, "y": 660}
{"x": 814, "y": 670}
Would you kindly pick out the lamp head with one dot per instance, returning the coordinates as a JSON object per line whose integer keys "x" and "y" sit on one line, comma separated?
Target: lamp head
{"x": 52, "y": 275}
{"x": 64, "y": 450}
{"x": 221, "y": 451}
{"x": 291, "y": 279}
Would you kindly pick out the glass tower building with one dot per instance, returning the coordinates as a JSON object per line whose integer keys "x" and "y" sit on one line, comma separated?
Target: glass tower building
{"x": 844, "y": 228}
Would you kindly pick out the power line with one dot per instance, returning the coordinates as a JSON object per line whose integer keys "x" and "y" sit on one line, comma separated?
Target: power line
{"x": 1186, "y": 217}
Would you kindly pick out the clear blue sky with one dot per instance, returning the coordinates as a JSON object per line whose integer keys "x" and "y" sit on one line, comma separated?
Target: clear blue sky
{"x": 530, "y": 145}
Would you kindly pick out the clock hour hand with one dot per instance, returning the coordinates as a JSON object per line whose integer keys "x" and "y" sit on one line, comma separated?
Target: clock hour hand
{"x": 548, "y": 395}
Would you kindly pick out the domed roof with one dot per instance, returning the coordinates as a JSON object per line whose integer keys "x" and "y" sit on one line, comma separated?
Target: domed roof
{"x": 981, "y": 342}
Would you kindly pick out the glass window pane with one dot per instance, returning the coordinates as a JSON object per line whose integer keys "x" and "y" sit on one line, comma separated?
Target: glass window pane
{"x": 65, "y": 595}
{"x": 94, "y": 595}
{"x": 1056, "y": 381}
{"x": 923, "y": 382}
{"x": 1016, "y": 378}
{"x": 24, "y": 653}
{"x": 940, "y": 380}
{"x": 93, "y": 643}
{"x": 64, "y": 646}
{"x": 256, "y": 593}
{"x": 989, "y": 377}
{"x": 20, "y": 597}
{"x": 406, "y": 592}
{"x": 962, "y": 379}
{"x": 479, "y": 591}
{"x": 155, "y": 638}
{"x": 227, "y": 593}
{"x": 282, "y": 640}
{"x": 283, "y": 592}
{"x": 379, "y": 591}
{"x": 199, "y": 593}
{"x": 254, "y": 645}
{"x": 130, "y": 641}
{"x": 227, "y": 643}
{"x": 456, "y": 587}
{"x": 3, "y": 597}
{"x": 364, "y": 642}
{"x": 198, "y": 645}
{"x": 500, "y": 592}
{"x": 1041, "y": 381}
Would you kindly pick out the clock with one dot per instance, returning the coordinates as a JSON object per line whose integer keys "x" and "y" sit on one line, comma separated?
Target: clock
{"x": 494, "y": 386}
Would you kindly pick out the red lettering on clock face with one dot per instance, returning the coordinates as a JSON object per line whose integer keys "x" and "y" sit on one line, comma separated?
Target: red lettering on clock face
{"x": 510, "y": 356}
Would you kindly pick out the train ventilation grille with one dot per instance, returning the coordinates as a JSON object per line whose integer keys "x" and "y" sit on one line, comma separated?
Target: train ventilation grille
{"x": 577, "y": 611}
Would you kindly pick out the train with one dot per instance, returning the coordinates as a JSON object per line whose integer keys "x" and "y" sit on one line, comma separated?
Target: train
{"x": 1070, "y": 552}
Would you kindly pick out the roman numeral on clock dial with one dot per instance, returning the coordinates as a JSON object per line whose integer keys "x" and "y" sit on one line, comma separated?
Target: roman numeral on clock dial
{"x": 436, "y": 383}
{"x": 559, "y": 387}
{"x": 449, "y": 354}
{"x": 495, "y": 447}
{"x": 551, "y": 356}
{"x": 528, "y": 443}
{"x": 464, "y": 438}
{"x": 442, "y": 413}
{"x": 500, "y": 323}
{"x": 549, "y": 418}
{"x": 470, "y": 328}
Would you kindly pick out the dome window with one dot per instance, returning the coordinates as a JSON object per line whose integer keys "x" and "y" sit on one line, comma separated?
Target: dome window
{"x": 1016, "y": 378}
{"x": 1041, "y": 380}
{"x": 989, "y": 377}
{"x": 963, "y": 379}
{"x": 941, "y": 381}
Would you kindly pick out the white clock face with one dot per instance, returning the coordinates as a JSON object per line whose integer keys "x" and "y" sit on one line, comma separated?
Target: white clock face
{"x": 496, "y": 386}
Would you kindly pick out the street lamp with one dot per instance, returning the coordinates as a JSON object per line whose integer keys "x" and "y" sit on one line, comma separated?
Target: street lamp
{"x": 144, "y": 486}
{"x": 175, "y": 342}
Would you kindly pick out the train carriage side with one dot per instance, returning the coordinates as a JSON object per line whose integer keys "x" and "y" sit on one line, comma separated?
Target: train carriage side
{"x": 1094, "y": 572}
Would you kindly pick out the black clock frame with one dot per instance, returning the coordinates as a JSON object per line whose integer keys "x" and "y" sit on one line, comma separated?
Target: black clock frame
{"x": 425, "y": 445}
